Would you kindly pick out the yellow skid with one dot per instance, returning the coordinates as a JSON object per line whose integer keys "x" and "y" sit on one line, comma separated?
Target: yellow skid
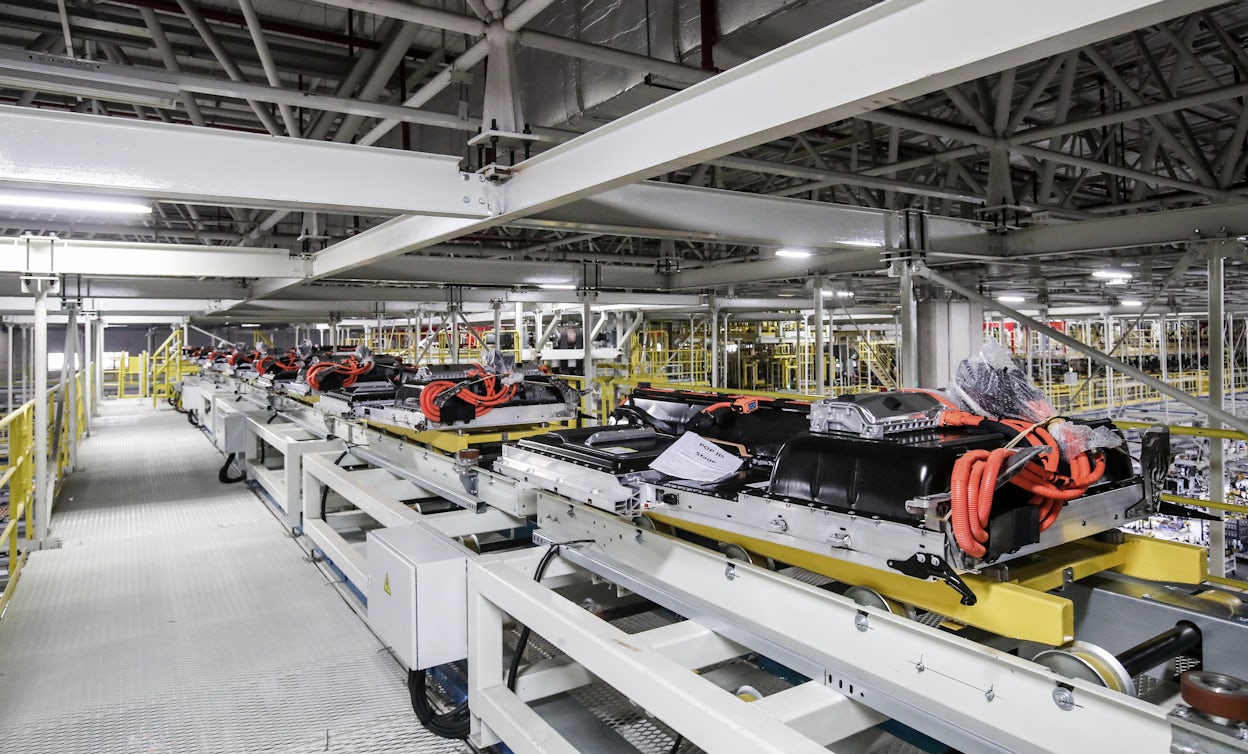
{"x": 1021, "y": 608}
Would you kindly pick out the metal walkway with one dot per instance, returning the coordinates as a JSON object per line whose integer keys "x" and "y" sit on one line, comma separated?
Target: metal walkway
{"x": 180, "y": 617}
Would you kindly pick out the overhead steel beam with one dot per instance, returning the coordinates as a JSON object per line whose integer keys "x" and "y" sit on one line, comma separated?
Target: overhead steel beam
{"x": 158, "y": 88}
{"x": 540, "y": 40}
{"x": 777, "y": 269}
{"x": 183, "y": 163}
{"x": 707, "y": 120}
{"x": 726, "y": 216}
{"x": 1144, "y": 229}
{"x": 415, "y": 13}
{"x": 106, "y": 258}
{"x": 515, "y": 20}
{"x": 166, "y": 307}
{"x": 830, "y": 177}
{"x": 505, "y": 272}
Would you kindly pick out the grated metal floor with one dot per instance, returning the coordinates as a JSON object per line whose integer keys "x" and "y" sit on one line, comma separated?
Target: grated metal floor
{"x": 178, "y": 617}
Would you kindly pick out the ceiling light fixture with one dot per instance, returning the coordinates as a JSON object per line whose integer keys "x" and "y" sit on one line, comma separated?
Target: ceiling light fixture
{"x": 250, "y": 324}
{"x": 793, "y": 253}
{"x": 862, "y": 244}
{"x": 39, "y": 200}
{"x": 556, "y": 286}
{"x": 1131, "y": 302}
{"x": 1110, "y": 273}
{"x": 1011, "y": 299}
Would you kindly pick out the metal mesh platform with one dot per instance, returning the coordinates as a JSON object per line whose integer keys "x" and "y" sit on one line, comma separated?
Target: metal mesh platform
{"x": 178, "y": 617}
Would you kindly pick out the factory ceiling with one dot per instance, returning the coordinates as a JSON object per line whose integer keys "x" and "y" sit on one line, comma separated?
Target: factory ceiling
{"x": 1121, "y": 155}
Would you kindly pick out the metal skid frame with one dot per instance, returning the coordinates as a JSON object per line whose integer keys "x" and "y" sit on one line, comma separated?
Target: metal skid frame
{"x": 376, "y": 497}
{"x": 970, "y": 696}
{"x": 281, "y": 473}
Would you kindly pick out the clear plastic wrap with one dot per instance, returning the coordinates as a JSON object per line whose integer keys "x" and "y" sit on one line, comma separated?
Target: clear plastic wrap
{"x": 989, "y": 383}
{"x": 1074, "y": 439}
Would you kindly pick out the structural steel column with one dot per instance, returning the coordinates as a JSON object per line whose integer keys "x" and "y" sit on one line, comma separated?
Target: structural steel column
{"x": 1217, "y": 447}
{"x": 39, "y": 365}
{"x": 714, "y": 346}
{"x": 821, "y": 374}
{"x": 909, "y": 376}
{"x": 88, "y": 372}
{"x": 69, "y": 380}
{"x": 8, "y": 385}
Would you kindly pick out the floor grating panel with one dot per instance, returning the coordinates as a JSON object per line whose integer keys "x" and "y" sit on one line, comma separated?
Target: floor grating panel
{"x": 178, "y": 617}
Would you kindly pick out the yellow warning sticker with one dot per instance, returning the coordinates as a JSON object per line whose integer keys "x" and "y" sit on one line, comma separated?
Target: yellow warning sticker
{"x": 386, "y": 586}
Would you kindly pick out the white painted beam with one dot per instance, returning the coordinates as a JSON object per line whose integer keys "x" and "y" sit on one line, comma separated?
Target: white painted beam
{"x": 122, "y": 258}
{"x": 73, "y": 151}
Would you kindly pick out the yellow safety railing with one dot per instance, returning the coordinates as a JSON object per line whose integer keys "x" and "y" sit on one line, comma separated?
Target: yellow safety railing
{"x": 126, "y": 377}
{"x": 167, "y": 366}
{"x": 17, "y": 436}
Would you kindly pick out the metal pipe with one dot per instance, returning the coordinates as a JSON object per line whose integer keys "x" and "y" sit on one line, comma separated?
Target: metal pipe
{"x": 1186, "y": 399}
{"x": 1217, "y": 367}
{"x": 1150, "y": 653}
{"x": 223, "y": 57}
{"x": 39, "y": 365}
{"x": 266, "y": 62}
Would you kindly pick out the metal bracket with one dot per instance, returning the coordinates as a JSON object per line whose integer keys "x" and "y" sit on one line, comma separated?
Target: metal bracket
{"x": 926, "y": 566}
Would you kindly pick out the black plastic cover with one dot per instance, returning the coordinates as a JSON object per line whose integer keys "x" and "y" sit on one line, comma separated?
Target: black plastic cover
{"x": 871, "y": 477}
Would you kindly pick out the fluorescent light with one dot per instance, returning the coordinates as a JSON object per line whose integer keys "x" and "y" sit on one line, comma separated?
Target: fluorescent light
{"x": 37, "y": 200}
{"x": 557, "y": 286}
{"x": 1116, "y": 281}
{"x": 862, "y": 244}
{"x": 1111, "y": 274}
{"x": 250, "y": 325}
{"x": 1131, "y": 302}
{"x": 839, "y": 294}
{"x": 1011, "y": 299}
{"x": 792, "y": 253}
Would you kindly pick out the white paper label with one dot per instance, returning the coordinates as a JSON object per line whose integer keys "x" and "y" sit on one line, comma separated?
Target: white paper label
{"x": 694, "y": 458}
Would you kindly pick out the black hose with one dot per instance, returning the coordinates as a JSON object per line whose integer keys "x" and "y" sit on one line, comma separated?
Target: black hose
{"x": 223, "y": 476}
{"x": 454, "y": 723}
{"x": 192, "y": 418}
{"x": 676, "y": 744}
{"x": 513, "y": 670}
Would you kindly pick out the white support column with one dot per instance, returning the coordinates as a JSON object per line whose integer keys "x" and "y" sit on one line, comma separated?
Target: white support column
{"x": 821, "y": 374}
{"x": 587, "y": 326}
{"x": 8, "y": 384}
{"x": 909, "y": 348}
{"x": 1217, "y": 373}
{"x": 39, "y": 365}
{"x": 715, "y": 346}
{"x": 69, "y": 378}
{"x": 88, "y": 373}
{"x": 99, "y": 364}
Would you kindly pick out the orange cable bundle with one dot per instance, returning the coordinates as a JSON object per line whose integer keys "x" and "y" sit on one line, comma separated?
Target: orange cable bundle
{"x": 975, "y": 475}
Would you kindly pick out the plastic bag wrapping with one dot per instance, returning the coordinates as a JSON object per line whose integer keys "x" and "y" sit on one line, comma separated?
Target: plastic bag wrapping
{"x": 989, "y": 383}
{"x": 1074, "y": 439}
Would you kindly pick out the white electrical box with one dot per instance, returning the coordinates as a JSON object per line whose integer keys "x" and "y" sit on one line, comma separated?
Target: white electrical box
{"x": 418, "y": 594}
{"x": 229, "y": 425}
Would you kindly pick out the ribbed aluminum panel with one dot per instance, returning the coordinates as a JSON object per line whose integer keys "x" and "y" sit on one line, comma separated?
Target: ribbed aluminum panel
{"x": 178, "y": 617}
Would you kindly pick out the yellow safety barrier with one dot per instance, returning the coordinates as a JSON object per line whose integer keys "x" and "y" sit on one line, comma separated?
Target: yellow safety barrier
{"x": 17, "y": 435}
